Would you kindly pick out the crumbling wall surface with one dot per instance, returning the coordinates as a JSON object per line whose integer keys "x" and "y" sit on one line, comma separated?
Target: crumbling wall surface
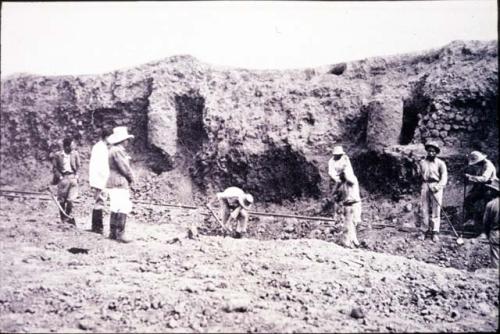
{"x": 268, "y": 131}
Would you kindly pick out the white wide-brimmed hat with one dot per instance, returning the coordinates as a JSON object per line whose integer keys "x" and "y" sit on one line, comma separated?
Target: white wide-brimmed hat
{"x": 246, "y": 201}
{"x": 338, "y": 150}
{"x": 475, "y": 157}
{"x": 120, "y": 133}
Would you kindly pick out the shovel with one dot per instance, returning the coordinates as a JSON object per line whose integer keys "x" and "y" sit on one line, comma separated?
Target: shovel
{"x": 459, "y": 240}
{"x": 217, "y": 219}
{"x": 59, "y": 206}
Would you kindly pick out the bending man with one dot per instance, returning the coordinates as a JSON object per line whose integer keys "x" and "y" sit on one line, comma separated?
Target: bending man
{"x": 235, "y": 204}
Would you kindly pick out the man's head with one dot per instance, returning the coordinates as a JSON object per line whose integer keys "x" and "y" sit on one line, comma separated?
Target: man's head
{"x": 106, "y": 132}
{"x": 120, "y": 135}
{"x": 476, "y": 157}
{"x": 67, "y": 144}
{"x": 432, "y": 149}
{"x": 337, "y": 152}
{"x": 246, "y": 201}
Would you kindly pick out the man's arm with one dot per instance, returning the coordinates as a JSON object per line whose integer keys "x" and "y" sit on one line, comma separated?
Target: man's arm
{"x": 121, "y": 159}
{"x": 485, "y": 176}
{"x": 332, "y": 172}
{"x": 443, "y": 171}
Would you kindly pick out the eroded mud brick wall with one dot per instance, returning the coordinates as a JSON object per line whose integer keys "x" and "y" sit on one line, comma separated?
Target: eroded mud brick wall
{"x": 270, "y": 132}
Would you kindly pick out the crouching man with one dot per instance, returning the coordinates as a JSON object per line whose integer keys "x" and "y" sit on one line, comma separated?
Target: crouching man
{"x": 491, "y": 221}
{"x": 235, "y": 204}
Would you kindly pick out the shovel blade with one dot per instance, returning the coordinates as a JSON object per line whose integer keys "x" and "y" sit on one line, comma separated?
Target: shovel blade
{"x": 460, "y": 241}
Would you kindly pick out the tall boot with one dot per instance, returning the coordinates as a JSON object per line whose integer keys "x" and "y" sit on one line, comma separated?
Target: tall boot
{"x": 113, "y": 225}
{"x": 97, "y": 226}
{"x": 69, "y": 209}
{"x": 120, "y": 229}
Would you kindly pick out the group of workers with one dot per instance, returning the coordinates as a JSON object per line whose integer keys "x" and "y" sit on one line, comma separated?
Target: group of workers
{"x": 110, "y": 174}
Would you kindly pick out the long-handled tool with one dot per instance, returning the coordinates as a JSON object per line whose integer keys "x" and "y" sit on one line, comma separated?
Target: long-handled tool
{"x": 59, "y": 205}
{"x": 460, "y": 241}
{"x": 217, "y": 219}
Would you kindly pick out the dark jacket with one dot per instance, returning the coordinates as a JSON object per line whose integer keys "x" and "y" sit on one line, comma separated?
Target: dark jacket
{"x": 120, "y": 172}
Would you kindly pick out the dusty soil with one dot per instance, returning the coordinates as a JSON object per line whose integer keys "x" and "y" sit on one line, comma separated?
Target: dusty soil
{"x": 61, "y": 279}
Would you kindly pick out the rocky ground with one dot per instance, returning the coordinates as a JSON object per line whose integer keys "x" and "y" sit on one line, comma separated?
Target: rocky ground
{"x": 61, "y": 279}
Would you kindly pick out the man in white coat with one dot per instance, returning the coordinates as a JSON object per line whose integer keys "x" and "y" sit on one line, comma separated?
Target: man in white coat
{"x": 98, "y": 176}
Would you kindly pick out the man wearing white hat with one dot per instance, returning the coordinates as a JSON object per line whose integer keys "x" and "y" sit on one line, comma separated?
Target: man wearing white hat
{"x": 484, "y": 172}
{"x": 434, "y": 178}
{"x": 346, "y": 191}
{"x": 119, "y": 181}
{"x": 491, "y": 221}
{"x": 235, "y": 204}
{"x": 98, "y": 176}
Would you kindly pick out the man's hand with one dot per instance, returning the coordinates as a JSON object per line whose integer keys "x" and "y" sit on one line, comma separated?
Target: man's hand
{"x": 470, "y": 178}
{"x": 234, "y": 214}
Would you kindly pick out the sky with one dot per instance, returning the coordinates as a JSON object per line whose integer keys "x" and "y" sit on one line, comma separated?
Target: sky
{"x": 90, "y": 38}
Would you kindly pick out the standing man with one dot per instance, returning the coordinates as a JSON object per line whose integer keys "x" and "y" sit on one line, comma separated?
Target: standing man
{"x": 98, "y": 176}
{"x": 235, "y": 204}
{"x": 491, "y": 221}
{"x": 346, "y": 192}
{"x": 483, "y": 173}
{"x": 119, "y": 182}
{"x": 66, "y": 164}
{"x": 434, "y": 178}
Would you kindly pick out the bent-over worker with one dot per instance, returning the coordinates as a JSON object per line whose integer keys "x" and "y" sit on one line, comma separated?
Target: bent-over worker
{"x": 235, "y": 204}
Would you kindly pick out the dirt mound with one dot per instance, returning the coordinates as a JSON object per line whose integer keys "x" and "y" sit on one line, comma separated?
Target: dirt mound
{"x": 234, "y": 126}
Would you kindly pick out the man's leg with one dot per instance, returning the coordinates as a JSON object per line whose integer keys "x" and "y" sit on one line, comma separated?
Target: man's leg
{"x": 62, "y": 196}
{"x": 424, "y": 209}
{"x": 350, "y": 232}
{"x": 225, "y": 212}
{"x": 72, "y": 196}
{"x": 494, "y": 248}
{"x": 437, "y": 201}
{"x": 97, "y": 212}
{"x": 469, "y": 202}
{"x": 356, "y": 221}
{"x": 241, "y": 227}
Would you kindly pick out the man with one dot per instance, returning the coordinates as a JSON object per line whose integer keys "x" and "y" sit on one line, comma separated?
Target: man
{"x": 483, "y": 172}
{"x": 346, "y": 191}
{"x": 338, "y": 164}
{"x": 235, "y": 204}
{"x": 434, "y": 178}
{"x": 491, "y": 221}
{"x": 66, "y": 164}
{"x": 119, "y": 182}
{"x": 98, "y": 176}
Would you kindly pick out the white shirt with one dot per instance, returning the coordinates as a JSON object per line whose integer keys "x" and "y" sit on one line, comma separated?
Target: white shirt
{"x": 67, "y": 163}
{"x": 99, "y": 165}
{"x": 336, "y": 167}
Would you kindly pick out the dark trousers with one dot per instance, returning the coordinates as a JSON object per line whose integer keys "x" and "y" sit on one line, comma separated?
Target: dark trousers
{"x": 474, "y": 204}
